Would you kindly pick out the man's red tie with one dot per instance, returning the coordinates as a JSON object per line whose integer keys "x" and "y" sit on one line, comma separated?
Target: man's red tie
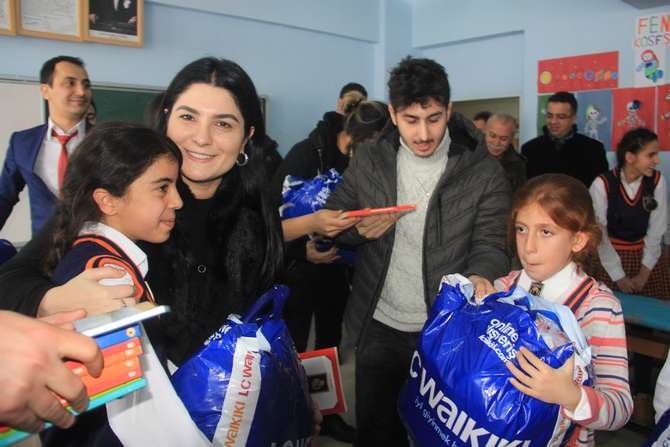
{"x": 62, "y": 159}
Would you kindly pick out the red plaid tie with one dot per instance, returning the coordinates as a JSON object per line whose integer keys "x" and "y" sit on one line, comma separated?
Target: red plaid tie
{"x": 62, "y": 159}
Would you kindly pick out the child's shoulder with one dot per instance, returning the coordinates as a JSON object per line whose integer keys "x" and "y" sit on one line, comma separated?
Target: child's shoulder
{"x": 601, "y": 297}
{"x": 83, "y": 256}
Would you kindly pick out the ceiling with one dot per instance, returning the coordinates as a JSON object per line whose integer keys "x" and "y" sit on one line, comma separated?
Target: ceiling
{"x": 644, "y": 4}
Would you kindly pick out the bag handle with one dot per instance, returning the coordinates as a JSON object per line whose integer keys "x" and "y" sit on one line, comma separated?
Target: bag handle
{"x": 276, "y": 295}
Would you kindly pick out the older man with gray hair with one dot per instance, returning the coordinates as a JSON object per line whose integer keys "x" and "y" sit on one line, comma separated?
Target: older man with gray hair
{"x": 499, "y": 134}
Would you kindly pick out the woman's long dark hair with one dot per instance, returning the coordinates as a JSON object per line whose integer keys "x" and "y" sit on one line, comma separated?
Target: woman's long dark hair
{"x": 243, "y": 186}
{"x": 111, "y": 156}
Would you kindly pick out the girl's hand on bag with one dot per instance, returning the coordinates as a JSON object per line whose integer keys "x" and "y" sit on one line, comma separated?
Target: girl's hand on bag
{"x": 373, "y": 227}
{"x": 483, "y": 287}
{"x": 535, "y": 378}
{"x": 85, "y": 292}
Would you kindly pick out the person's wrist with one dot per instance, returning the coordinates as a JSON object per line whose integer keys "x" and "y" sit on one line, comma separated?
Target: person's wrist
{"x": 45, "y": 307}
{"x": 572, "y": 398}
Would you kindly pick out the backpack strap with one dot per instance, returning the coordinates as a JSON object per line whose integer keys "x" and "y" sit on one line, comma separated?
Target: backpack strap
{"x": 119, "y": 259}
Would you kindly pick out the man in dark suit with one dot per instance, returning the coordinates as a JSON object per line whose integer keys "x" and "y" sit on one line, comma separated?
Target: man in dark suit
{"x": 37, "y": 157}
{"x": 561, "y": 149}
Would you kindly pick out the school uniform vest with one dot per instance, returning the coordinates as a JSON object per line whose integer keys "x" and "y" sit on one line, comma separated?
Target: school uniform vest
{"x": 627, "y": 220}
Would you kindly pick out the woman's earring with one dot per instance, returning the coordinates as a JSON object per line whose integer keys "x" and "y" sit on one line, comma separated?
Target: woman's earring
{"x": 242, "y": 159}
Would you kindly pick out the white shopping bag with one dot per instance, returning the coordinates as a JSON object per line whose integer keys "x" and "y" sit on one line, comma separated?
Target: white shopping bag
{"x": 154, "y": 415}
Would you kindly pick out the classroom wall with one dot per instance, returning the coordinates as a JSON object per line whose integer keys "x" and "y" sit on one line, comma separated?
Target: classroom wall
{"x": 491, "y": 48}
{"x": 298, "y": 53}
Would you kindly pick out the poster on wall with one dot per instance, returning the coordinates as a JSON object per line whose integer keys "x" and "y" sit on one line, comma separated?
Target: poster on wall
{"x": 116, "y": 23}
{"x": 632, "y": 108}
{"x": 650, "y": 49}
{"x": 575, "y": 73}
{"x": 663, "y": 117}
{"x": 49, "y": 19}
{"x": 594, "y": 115}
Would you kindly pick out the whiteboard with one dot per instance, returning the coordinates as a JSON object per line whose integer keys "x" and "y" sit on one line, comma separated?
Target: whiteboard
{"x": 22, "y": 108}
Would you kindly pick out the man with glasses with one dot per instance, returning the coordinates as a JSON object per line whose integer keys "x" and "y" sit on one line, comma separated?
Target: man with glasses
{"x": 561, "y": 149}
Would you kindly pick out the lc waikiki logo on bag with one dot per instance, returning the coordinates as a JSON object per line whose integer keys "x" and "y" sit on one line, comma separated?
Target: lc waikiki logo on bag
{"x": 458, "y": 391}
{"x": 246, "y": 386}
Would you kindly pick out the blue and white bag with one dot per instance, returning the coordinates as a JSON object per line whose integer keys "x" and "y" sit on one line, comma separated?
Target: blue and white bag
{"x": 660, "y": 437}
{"x": 305, "y": 196}
{"x": 246, "y": 386}
{"x": 458, "y": 392}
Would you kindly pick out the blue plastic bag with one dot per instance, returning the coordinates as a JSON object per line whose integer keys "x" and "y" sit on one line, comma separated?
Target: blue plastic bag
{"x": 246, "y": 386}
{"x": 458, "y": 391}
{"x": 660, "y": 437}
{"x": 305, "y": 196}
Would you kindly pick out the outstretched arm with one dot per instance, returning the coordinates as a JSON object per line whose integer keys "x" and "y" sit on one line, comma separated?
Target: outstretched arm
{"x": 28, "y": 290}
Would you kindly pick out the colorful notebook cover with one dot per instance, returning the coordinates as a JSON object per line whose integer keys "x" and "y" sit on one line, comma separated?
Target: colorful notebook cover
{"x": 119, "y": 336}
{"x": 12, "y": 436}
{"x": 113, "y": 354}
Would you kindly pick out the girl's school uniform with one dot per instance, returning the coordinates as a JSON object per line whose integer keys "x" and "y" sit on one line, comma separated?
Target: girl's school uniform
{"x": 632, "y": 230}
{"x": 608, "y": 405}
{"x": 98, "y": 245}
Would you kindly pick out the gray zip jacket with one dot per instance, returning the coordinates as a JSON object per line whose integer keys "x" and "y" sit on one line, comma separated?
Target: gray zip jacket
{"x": 465, "y": 226}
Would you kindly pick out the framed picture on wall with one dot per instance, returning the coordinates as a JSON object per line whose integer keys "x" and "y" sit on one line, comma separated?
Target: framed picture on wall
{"x": 7, "y": 17}
{"x": 117, "y": 22}
{"x": 50, "y": 19}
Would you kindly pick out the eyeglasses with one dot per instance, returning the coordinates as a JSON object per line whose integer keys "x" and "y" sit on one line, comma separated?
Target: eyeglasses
{"x": 558, "y": 116}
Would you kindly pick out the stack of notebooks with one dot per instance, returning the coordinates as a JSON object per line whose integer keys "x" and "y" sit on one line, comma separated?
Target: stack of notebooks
{"x": 118, "y": 335}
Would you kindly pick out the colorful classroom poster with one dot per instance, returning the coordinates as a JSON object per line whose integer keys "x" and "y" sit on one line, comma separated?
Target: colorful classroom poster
{"x": 649, "y": 66}
{"x": 663, "y": 117}
{"x": 632, "y": 108}
{"x": 594, "y": 116}
{"x": 541, "y": 110}
{"x": 586, "y": 72}
{"x": 650, "y": 49}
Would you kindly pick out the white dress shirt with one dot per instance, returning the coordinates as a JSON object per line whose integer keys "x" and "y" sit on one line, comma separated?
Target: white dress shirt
{"x": 658, "y": 222}
{"x": 46, "y": 164}
{"x": 556, "y": 289}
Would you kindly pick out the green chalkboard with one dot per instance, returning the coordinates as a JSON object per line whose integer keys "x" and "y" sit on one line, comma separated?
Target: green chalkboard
{"x": 122, "y": 104}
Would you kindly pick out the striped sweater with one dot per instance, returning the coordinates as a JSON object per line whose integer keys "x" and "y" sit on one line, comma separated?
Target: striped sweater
{"x": 601, "y": 319}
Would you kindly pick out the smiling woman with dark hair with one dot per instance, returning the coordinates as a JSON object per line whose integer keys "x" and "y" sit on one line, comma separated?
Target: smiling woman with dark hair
{"x": 226, "y": 247}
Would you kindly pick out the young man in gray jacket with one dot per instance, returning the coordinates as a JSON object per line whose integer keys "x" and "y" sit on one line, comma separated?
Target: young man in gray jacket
{"x": 435, "y": 160}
